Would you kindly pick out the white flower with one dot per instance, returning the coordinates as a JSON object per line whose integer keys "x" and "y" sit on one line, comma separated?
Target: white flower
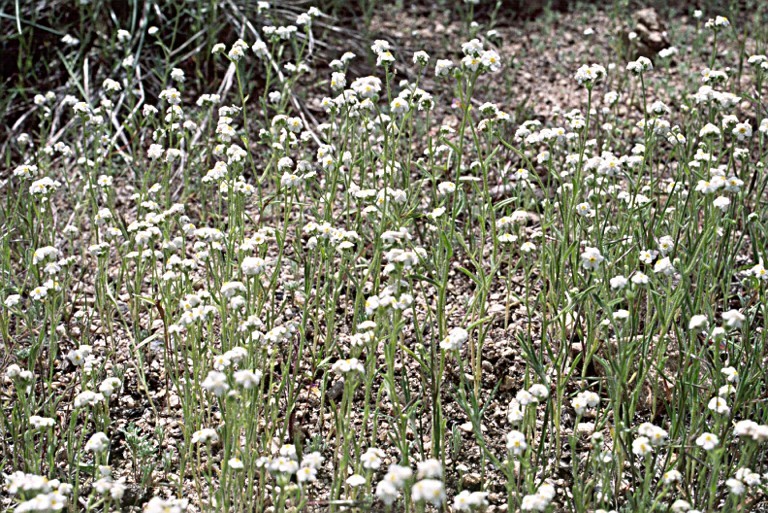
{"x": 534, "y": 502}
{"x": 641, "y": 446}
{"x": 735, "y": 486}
{"x": 158, "y": 505}
{"x": 216, "y": 383}
{"x": 698, "y": 322}
{"x": 155, "y": 151}
{"x": 25, "y": 170}
{"x": 516, "y": 443}
{"x": 672, "y": 476}
{"x": 346, "y": 366}
{"x": 473, "y": 47}
{"x": 248, "y": 379}
{"x": 253, "y": 266}
{"x": 398, "y": 475}
{"x": 386, "y": 492}
{"x": 590, "y": 74}
{"x": 585, "y": 400}
{"x": 722, "y": 22}
{"x": 620, "y": 315}
{"x": 468, "y": 501}
{"x": 515, "y": 413}
{"x": 38, "y": 422}
{"x": 97, "y": 443}
{"x": 539, "y": 391}
{"x": 618, "y": 282}
{"x": 748, "y": 477}
{"x": 385, "y": 58}
{"x": 524, "y": 398}
{"x": 665, "y": 53}
{"x": 591, "y": 258}
{"x": 707, "y": 441}
{"x": 491, "y": 60}
{"x": 109, "y": 386}
{"x": 39, "y": 293}
{"x": 655, "y": 435}
{"x": 380, "y": 46}
{"x": 371, "y": 459}
{"x": 726, "y": 390}
{"x": 421, "y": 58}
{"x": 742, "y": 131}
{"x": 745, "y": 428}
{"x": 665, "y": 244}
{"x": 88, "y": 398}
{"x": 204, "y": 435}
{"x": 664, "y": 266}
{"x": 232, "y": 288}
{"x": 443, "y": 67}
{"x": 647, "y": 256}
{"x": 283, "y": 465}
{"x": 355, "y": 480}
{"x": 456, "y": 337}
{"x": 733, "y": 319}
{"x": 722, "y": 203}
{"x": 731, "y": 374}
{"x": 709, "y": 130}
{"x": 399, "y": 106}
{"x": 306, "y": 474}
{"x": 430, "y": 468}
{"x": 641, "y": 65}
{"x": 718, "y": 405}
{"x": 429, "y": 490}
{"x": 445, "y": 188}
{"x": 680, "y": 506}
{"x": 43, "y": 187}
{"x": 585, "y": 210}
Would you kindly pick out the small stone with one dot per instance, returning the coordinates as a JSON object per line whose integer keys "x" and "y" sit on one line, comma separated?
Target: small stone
{"x": 507, "y": 383}
{"x": 471, "y": 482}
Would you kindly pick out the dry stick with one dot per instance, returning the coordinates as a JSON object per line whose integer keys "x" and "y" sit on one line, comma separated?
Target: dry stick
{"x": 86, "y": 81}
{"x": 194, "y": 51}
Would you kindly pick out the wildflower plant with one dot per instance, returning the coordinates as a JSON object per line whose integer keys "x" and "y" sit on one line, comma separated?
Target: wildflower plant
{"x": 384, "y": 286}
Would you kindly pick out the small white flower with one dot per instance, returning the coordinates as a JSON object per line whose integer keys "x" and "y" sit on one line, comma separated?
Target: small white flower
{"x": 443, "y": 67}
{"x": 707, "y": 441}
{"x": 591, "y": 258}
{"x": 516, "y": 443}
{"x": 204, "y": 435}
{"x": 97, "y": 443}
{"x": 735, "y": 486}
{"x": 399, "y": 106}
{"x": 641, "y": 446}
{"x": 664, "y": 266}
{"x": 698, "y": 322}
{"x": 371, "y": 459}
{"x": 718, "y": 405}
{"x": 429, "y": 490}
{"x": 386, "y": 492}
{"x": 733, "y": 319}
{"x": 216, "y": 383}
{"x": 456, "y": 337}
{"x": 355, "y": 480}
